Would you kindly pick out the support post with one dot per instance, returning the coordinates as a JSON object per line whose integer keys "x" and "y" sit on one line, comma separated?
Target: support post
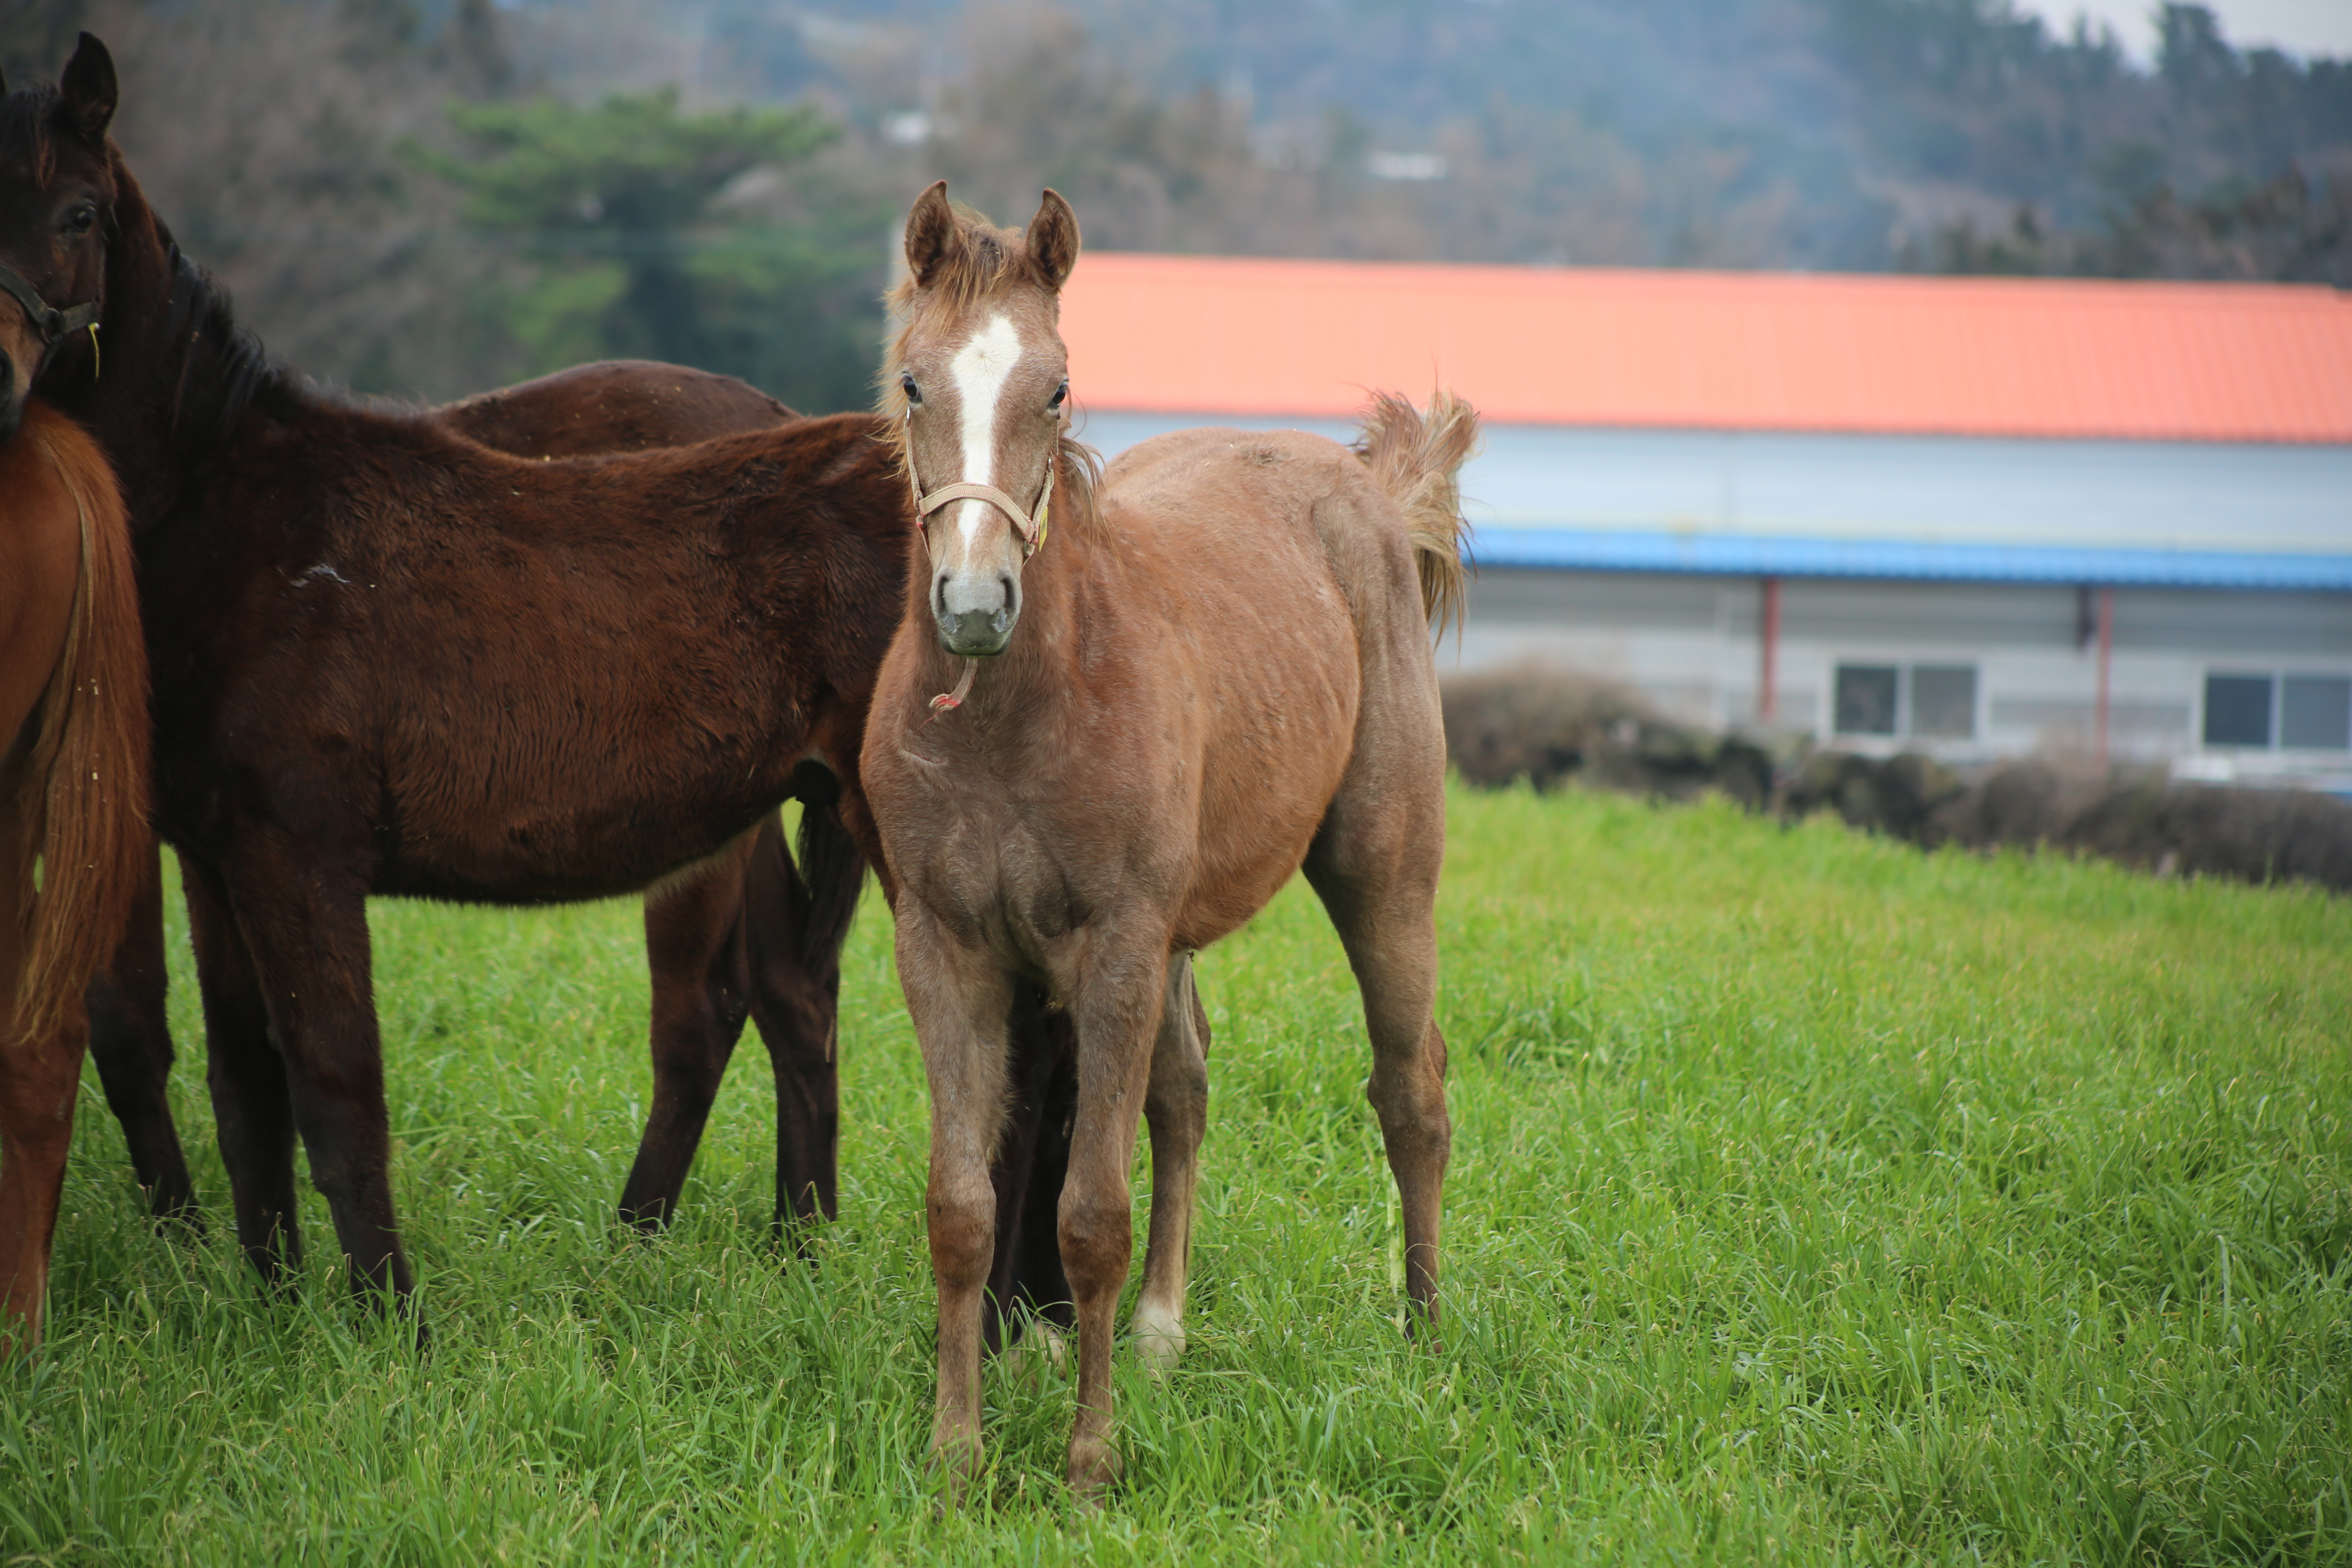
{"x": 1767, "y": 674}
{"x": 2106, "y": 668}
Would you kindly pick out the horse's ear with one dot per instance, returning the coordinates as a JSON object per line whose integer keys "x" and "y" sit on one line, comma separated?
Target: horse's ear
{"x": 933, "y": 241}
{"x": 1053, "y": 239}
{"x": 88, "y": 90}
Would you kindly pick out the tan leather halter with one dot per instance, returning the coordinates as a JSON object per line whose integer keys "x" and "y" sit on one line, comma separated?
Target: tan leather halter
{"x": 1031, "y": 528}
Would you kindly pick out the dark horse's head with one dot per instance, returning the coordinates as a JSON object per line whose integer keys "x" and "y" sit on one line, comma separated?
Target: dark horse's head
{"x": 977, "y": 388}
{"x": 56, "y": 196}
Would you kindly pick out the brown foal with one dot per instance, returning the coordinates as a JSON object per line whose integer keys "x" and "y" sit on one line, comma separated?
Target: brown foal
{"x": 1212, "y": 668}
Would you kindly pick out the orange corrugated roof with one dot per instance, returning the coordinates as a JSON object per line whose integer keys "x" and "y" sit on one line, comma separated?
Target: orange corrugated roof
{"x": 2211, "y": 362}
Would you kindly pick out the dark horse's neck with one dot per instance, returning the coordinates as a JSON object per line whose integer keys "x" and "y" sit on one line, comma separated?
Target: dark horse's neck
{"x": 175, "y": 374}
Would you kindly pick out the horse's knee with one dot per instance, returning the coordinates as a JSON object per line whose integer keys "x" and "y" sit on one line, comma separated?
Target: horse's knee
{"x": 963, "y": 1236}
{"x": 1097, "y": 1234}
{"x": 38, "y": 1084}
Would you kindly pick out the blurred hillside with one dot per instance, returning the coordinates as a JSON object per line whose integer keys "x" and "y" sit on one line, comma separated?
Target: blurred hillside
{"x": 435, "y": 196}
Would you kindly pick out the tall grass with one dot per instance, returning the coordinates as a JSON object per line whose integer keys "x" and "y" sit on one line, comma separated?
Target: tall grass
{"x": 1812, "y": 1201}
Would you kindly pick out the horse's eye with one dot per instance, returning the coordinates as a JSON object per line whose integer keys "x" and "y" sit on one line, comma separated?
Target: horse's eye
{"x": 81, "y": 218}
{"x": 1061, "y": 395}
{"x": 907, "y": 384}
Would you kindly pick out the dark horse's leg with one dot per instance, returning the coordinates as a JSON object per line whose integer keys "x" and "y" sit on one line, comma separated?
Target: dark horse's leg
{"x": 1032, "y": 1156}
{"x": 796, "y": 922}
{"x": 252, "y": 1114}
{"x": 695, "y": 949}
{"x": 304, "y": 922}
{"x": 131, "y": 1040}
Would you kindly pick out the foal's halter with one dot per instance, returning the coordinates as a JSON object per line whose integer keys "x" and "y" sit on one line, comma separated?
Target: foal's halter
{"x": 54, "y": 325}
{"x": 1030, "y": 528}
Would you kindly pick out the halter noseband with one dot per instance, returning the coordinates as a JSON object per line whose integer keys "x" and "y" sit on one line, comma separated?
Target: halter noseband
{"x": 54, "y": 325}
{"x": 1030, "y": 528}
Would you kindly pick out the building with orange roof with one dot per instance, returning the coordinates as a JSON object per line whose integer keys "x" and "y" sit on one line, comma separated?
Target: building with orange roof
{"x": 1974, "y": 515}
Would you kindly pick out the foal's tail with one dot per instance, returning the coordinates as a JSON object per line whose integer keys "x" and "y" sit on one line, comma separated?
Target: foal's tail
{"x": 85, "y": 792}
{"x": 1417, "y": 456}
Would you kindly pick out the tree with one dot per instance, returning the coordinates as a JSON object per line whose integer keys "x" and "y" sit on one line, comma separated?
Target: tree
{"x": 640, "y": 230}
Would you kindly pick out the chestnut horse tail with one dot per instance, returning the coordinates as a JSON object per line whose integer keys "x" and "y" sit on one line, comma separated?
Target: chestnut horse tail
{"x": 88, "y": 781}
{"x": 1416, "y": 455}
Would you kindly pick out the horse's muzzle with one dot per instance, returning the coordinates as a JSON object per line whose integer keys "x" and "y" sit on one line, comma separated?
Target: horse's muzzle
{"x": 976, "y": 634}
{"x": 975, "y": 613}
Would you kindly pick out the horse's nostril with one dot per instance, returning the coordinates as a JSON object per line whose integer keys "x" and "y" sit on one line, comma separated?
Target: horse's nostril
{"x": 939, "y": 594}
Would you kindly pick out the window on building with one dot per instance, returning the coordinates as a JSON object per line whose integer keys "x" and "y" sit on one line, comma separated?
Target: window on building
{"x": 1944, "y": 702}
{"x": 2298, "y": 712}
{"x": 1928, "y": 701}
{"x": 1865, "y": 698}
{"x": 2315, "y": 712}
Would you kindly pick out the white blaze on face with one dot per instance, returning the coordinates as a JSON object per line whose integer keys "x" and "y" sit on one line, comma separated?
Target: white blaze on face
{"x": 980, "y": 369}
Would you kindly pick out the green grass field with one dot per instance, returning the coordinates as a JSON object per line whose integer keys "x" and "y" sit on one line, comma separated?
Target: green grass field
{"x": 1812, "y": 1200}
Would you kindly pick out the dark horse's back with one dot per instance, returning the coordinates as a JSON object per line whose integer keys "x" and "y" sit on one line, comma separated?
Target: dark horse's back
{"x": 493, "y": 679}
{"x": 612, "y": 406}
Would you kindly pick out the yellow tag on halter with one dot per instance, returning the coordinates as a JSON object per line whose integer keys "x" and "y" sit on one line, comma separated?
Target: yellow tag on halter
{"x": 94, "y": 361}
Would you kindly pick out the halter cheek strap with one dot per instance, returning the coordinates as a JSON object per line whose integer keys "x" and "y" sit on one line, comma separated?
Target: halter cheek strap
{"x": 1029, "y": 527}
{"x": 54, "y": 325}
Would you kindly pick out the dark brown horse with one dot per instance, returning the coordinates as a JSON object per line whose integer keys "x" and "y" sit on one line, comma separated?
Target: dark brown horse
{"x": 73, "y": 796}
{"x": 389, "y": 659}
{"x": 711, "y": 959}
{"x": 1211, "y": 671}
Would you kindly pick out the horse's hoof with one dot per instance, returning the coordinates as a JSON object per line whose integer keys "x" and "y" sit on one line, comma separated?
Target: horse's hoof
{"x": 1159, "y": 1341}
{"x": 1094, "y": 1466}
{"x": 1039, "y": 1353}
{"x": 956, "y": 1461}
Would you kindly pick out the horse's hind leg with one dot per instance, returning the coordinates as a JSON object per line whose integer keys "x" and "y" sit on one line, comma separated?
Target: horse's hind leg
{"x": 1176, "y": 1106}
{"x": 253, "y": 1115}
{"x": 794, "y": 929}
{"x": 694, "y": 948}
{"x": 38, "y": 1080}
{"x": 131, "y": 1041}
{"x": 1033, "y": 1155}
{"x": 1375, "y": 864}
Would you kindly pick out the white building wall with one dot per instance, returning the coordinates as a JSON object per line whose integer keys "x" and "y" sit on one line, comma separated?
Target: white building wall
{"x": 1692, "y": 644}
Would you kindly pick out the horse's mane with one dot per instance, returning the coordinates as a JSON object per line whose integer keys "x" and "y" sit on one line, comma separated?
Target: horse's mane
{"x": 991, "y": 262}
{"x": 241, "y": 369}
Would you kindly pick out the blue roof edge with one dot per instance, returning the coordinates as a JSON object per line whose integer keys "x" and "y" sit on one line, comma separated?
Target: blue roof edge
{"x": 1595, "y": 550}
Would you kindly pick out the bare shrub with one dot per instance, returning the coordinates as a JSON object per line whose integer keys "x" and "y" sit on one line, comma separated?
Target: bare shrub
{"x": 1549, "y": 725}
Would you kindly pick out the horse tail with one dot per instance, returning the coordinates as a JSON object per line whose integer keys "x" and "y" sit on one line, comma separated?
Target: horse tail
{"x": 1416, "y": 455}
{"x": 87, "y": 788}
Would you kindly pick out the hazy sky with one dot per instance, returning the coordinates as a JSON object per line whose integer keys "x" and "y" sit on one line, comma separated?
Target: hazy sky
{"x": 2300, "y": 27}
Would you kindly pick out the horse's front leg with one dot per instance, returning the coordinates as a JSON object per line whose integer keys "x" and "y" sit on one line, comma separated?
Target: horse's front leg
{"x": 304, "y": 922}
{"x": 958, "y": 997}
{"x": 1121, "y": 986}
